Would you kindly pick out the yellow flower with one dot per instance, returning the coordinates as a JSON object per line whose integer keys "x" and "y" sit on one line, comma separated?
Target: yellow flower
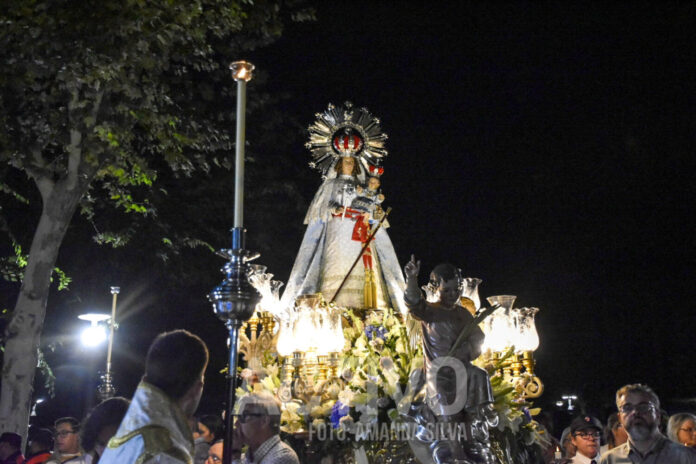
{"x": 266, "y": 383}
{"x": 321, "y": 410}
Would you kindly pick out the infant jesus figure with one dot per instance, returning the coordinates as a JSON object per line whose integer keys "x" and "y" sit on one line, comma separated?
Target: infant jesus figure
{"x": 368, "y": 202}
{"x": 456, "y": 393}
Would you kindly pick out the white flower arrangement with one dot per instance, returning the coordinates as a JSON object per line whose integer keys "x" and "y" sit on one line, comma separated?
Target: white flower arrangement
{"x": 376, "y": 375}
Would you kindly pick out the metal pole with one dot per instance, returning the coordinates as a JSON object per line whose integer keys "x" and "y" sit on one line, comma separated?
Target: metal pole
{"x": 235, "y": 299}
{"x": 106, "y": 388}
{"x": 239, "y": 155}
{"x": 242, "y": 73}
{"x": 114, "y": 291}
{"x": 233, "y": 326}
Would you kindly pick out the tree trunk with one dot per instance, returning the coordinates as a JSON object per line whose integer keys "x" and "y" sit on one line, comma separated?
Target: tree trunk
{"x": 23, "y": 334}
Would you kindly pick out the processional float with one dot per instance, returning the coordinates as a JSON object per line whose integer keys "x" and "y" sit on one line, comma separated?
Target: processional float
{"x": 339, "y": 349}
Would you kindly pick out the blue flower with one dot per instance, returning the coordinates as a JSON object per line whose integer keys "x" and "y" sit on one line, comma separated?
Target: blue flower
{"x": 375, "y": 331}
{"x": 338, "y": 410}
{"x": 527, "y": 418}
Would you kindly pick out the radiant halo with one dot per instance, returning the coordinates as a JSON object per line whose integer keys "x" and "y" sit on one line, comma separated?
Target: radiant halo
{"x": 345, "y": 131}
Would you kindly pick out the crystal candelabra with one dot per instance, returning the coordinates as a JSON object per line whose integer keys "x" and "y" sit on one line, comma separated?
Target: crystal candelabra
{"x": 512, "y": 332}
{"x": 310, "y": 344}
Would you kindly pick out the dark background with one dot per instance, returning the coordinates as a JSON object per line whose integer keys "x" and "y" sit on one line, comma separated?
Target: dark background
{"x": 547, "y": 149}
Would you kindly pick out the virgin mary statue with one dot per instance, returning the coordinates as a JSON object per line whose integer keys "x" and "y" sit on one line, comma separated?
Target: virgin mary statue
{"x": 346, "y": 144}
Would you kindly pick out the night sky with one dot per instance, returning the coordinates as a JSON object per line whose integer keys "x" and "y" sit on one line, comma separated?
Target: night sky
{"x": 547, "y": 149}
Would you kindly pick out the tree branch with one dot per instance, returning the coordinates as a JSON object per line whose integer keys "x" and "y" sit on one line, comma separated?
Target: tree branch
{"x": 97, "y": 105}
{"x": 74, "y": 157}
{"x": 38, "y": 159}
{"x": 83, "y": 170}
{"x": 74, "y": 149}
{"x": 42, "y": 176}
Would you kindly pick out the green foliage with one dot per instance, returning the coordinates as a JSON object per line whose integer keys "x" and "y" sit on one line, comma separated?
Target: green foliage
{"x": 102, "y": 100}
{"x": 11, "y": 268}
{"x": 10, "y": 191}
{"x": 63, "y": 279}
{"x": 122, "y": 83}
{"x": 132, "y": 98}
{"x": 48, "y": 375}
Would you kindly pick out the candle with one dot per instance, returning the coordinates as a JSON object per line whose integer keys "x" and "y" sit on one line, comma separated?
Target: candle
{"x": 241, "y": 72}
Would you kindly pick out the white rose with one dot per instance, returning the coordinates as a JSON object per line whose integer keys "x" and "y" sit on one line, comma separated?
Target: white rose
{"x": 346, "y": 397}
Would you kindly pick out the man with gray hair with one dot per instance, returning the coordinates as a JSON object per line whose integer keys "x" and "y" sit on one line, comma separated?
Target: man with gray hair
{"x": 639, "y": 413}
{"x": 258, "y": 427}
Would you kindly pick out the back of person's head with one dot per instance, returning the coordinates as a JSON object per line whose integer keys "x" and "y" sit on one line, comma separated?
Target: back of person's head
{"x": 175, "y": 361}
{"x": 675, "y": 423}
{"x": 40, "y": 440}
{"x": 640, "y": 389}
{"x": 262, "y": 403}
{"x": 109, "y": 412}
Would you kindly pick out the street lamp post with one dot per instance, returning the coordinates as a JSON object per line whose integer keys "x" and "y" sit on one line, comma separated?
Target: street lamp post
{"x": 106, "y": 388}
{"x": 235, "y": 299}
{"x": 95, "y": 335}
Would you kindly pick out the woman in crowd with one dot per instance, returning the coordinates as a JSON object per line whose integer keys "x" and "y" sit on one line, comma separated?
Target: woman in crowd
{"x": 210, "y": 428}
{"x": 681, "y": 428}
{"x": 614, "y": 433}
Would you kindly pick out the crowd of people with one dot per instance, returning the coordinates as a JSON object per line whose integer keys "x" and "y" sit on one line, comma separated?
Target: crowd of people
{"x": 639, "y": 432}
{"x": 158, "y": 425}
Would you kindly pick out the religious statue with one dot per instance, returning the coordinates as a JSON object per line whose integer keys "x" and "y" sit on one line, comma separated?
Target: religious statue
{"x": 347, "y": 147}
{"x": 455, "y": 403}
{"x": 369, "y": 198}
{"x": 367, "y": 202}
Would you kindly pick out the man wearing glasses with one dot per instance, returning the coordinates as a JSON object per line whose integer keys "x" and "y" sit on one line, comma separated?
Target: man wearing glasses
{"x": 584, "y": 434}
{"x": 639, "y": 413}
{"x": 215, "y": 452}
{"x": 67, "y": 439}
{"x": 258, "y": 427}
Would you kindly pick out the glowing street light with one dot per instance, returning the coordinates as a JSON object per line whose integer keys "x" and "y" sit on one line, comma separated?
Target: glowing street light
{"x": 95, "y": 334}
